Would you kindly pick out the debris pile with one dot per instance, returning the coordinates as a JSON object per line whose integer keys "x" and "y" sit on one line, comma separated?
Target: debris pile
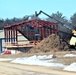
{"x": 51, "y": 43}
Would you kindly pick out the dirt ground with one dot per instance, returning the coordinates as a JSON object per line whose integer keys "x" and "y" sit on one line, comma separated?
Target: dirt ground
{"x": 7, "y": 68}
{"x": 59, "y": 56}
{"x": 50, "y": 45}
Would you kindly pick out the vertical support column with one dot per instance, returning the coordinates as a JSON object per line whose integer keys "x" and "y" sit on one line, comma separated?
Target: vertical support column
{"x": 44, "y": 32}
{"x": 34, "y": 34}
{"x": 12, "y": 35}
{"x": 41, "y": 33}
{"x": 50, "y": 30}
{"x": 47, "y": 31}
{"x": 16, "y": 36}
{"x": 56, "y": 28}
{"x": 5, "y": 34}
{"x": 9, "y": 35}
{"x": 28, "y": 32}
{"x": 38, "y": 37}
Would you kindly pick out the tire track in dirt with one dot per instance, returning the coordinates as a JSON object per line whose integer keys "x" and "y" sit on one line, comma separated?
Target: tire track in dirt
{"x": 13, "y": 69}
{"x": 7, "y": 68}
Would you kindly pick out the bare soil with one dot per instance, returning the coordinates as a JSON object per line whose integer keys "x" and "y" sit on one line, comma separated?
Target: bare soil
{"x": 52, "y": 43}
{"x": 17, "y": 69}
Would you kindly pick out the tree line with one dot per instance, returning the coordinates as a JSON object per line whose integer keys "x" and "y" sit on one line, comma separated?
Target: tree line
{"x": 58, "y": 15}
{"x": 70, "y": 24}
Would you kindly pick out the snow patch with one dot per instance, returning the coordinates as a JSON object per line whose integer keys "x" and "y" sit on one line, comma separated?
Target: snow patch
{"x": 71, "y": 67}
{"x": 6, "y": 59}
{"x": 37, "y": 60}
{"x": 45, "y": 56}
{"x": 69, "y": 55}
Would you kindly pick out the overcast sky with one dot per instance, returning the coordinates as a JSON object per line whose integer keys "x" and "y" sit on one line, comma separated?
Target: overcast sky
{"x": 20, "y": 8}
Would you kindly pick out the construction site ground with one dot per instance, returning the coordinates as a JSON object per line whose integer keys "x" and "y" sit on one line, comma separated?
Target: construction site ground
{"x": 61, "y": 59}
{"x": 50, "y": 45}
{"x": 7, "y": 68}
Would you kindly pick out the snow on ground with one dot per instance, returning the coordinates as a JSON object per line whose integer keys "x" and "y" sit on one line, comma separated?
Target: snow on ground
{"x": 6, "y": 59}
{"x": 69, "y": 55}
{"x": 45, "y": 60}
{"x": 36, "y": 60}
{"x": 45, "y": 56}
{"x": 71, "y": 67}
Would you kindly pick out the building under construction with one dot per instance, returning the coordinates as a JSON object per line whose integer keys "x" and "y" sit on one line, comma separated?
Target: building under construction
{"x": 28, "y": 33}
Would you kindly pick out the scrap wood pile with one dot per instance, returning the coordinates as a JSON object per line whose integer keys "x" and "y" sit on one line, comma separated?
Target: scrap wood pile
{"x": 51, "y": 43}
